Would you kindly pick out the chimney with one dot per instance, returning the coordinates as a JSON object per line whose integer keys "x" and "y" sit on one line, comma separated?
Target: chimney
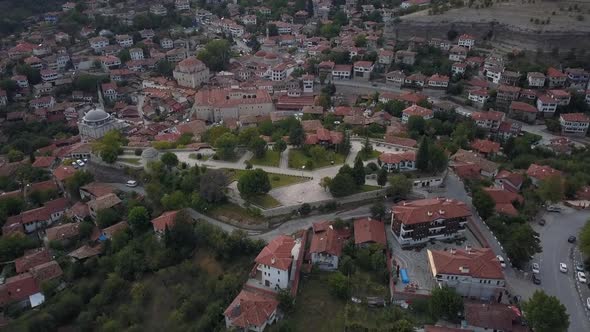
{"x": 441, "y": 212}
{"x": 272, "y": 260}
{"x": 452, "y": 251}
{"x": 468, "y": 249}
{"x": 429, "y": 213}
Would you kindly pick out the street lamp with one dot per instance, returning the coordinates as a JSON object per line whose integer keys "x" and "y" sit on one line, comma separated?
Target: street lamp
{"x": 302, "y": 169}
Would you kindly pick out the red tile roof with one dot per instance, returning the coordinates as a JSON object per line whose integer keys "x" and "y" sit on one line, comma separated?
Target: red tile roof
{"x": 63, "y": 232}
{"x": 429, "y": 210}
{"x": 43, "y": 161}
{"x": 251, "y": 308}
{"x": 575, "y": 117}
{"x": 328, "y": 240}
{"x": 514, "y": 178}
{"x": 43, "y": 186}
{"x": 433, "y": 328}
{"x": 18, "y": 288}
{"x": 63, "y": 173}
{"x": 367, "y": 230}
{"x": 489, "y": 115}
{"x": 395, "y": 158}
{"x": 277, "y": 253}
{"x": 495, "y": 316}
{"x": 46, "y": 271}
{"x": 166, "y": 220}
{"x": 477, "y": 263}
{"x": 552, "y": 72}
{"x": 32, "y": 259}
{"x": 522, "y": 107}
{"x": 485, "y": 146}
{"x": 542, "y": 172}
{"x": 504, "y": 200}
{"x": 416, "y": 110}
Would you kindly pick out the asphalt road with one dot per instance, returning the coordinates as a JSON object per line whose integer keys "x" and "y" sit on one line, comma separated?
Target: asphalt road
{"x": 556, "y": 249}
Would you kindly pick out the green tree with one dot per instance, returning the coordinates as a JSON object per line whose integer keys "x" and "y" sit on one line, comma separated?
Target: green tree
{"x": 79, "y": 179}
{"x": 164, "y": 68}
{"x": 325, "y": 182}
{"x": 367, "y": 149}
{"x": 378, "y": 211}
{"x": 338, "y": 284}
{"x": 399, "y": 186}
{"x": 280, "y": 146}
{"x": 174, "y": 201}
{"x": 360, "y": 40}
{"x": 438, "y": 159}
{"x": 14, "y": 245}
{"x": 358, "y": 172}
{"x": 382, "y": 177}
{"x": 297, "y": 136}
{"x": 226, "y": 145}
{"x": 286, "y": 300}
{"x": 212, "y": 185}
{"x": 169, "y": 159}
{"x": 213, "y": 133}
{"x": 254, "y": 182}
{"x": 445, "y": 303}
{"x": 585, "y": 239}
{"x": 216, "y": 54}
{"x": 109, "y": 146}
{"x": 422, "y": 157}
{"x": 106, "y": 217}
{"x": 416, "y": 124}
{"x": 258, "y": 147}
{"x": 522, "y": 244}
{"x": 484, "y": 203}
{"x": 342, "y": 185}
{"x": 551, "y": 189}
{"x": 545, "y": 313}
{"x": 318, "y": 153}
{"x": 247, "y": 135}
{"x": 138, "y": 219}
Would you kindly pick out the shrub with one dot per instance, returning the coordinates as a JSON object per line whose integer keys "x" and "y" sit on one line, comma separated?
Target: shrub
{"x": 138, "y": 152}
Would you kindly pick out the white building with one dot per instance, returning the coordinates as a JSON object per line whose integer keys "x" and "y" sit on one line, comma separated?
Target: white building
{"x": 124, "y": 40}
{"x": 276, "y": 262}
{"x": 546, "y": 105}
{"x": 575, "y": 124}
{"x": 326, "y": 245}
{"x": 98, "y": 43}
{"x": 466, "y": 40}
{"x": 478, "y": 96}
{"x": 191, "y": 73}
{"x": 158, "y": 10}
{"x": 473, "y": 273}
{"x": 96, "y": 123}
{"x": 404, "y": 161}
{"x": 136, "y": 54}
{"x": 535, "y": 79}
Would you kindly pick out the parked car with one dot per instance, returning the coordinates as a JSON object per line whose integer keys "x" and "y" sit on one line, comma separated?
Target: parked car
{"x": 501, "y": 260}
{"x": 131, "y": 183}
{"x": 553, "y": 208}
{"x": 582, "y": 277}
{"x": 80, "y": 162}
{"x": 563, "y": 267}
{"x": 580, "y": 267}
{"x": 588, "y": 303}
{"x": 571, "y": 239}
{"x": 536, "y": 268}
{"x": 542, "y": 222}
{"x": 536, "y": 279}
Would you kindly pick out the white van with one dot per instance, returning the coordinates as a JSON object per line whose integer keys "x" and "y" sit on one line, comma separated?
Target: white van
{"x": 131, "y": 183}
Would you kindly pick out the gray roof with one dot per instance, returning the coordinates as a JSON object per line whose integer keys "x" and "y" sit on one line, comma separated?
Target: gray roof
{"x": 96, "y": 115}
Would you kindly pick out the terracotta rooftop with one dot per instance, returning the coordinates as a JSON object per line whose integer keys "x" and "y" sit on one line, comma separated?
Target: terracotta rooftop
{"x": 328, "y": 240}
{"x": 542, "y": 172}
{"x": 46, "y": 271}
{"x": 98, "y": 189}
{"x": 62, "y": 173}
{"x": 499, "y": 317}
{"x": 277, "y": 253}
{"x": 489, "y": 115}
{"x": 575, "y": 117}
{"x": 477, "y": 263}
{"x": 523, "y": 107}
{"x": 485, "y": 146}
{"x": 251, "y": 308}
{"x": 367, "y": 230}
{"x": 166, "y": 220}
{"x": 416, "y": 110}
{"x": 32, "y": 259}
{"x": 62, "y": 232}
{"x": 429, "y": 210}
{"x": 395, "y": 158}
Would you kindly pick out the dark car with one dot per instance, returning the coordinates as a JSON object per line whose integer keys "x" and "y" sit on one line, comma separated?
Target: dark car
{"x": 571, "y": 239}
{"x": 536, "y": 279}
{"x": 542, "y": 222}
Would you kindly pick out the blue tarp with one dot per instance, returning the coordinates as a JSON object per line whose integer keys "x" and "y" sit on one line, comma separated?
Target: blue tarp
{"x": 404, "y": 276}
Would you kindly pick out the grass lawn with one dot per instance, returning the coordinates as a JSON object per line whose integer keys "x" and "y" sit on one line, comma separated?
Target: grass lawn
{"x": 297, "y": 159}
{"x": 271, "y": 158}
{"x": 265, "y": 201}
{"x": 276, "y": 180}
{"x": 373, "y": 155}
{"x": 133, "y": 161}
{"x": 367, "y": 187}
{"x": 233, "y": 213}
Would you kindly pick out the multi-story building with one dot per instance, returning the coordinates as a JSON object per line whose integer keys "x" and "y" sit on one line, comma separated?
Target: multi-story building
{"x": 438, "y": 81}
{"x": 510, "y": 77}
{"x": 167, "y": 43}
{"x": 478, "y": 96}
{"x": 98, "y": 43}
{"x": 275, "y": 263}
{"x": 466, "y": 40}
{"x": 494, "y": 74}
{"x": 419, "y": 221}
{"x": 191, "y": 73}
{"x": 506, "y": 94}
{"x": 49, "y": 75}
{"x": 489, "y": 120}
{"x": 158, "y": 10}
{"x": 416, "y": 110}
{"x": 458, "y": 68}
{"x": 182, "y": 5}
{"x": 458, "y": 53}
{"x": 326, "y": 245}
{"x": 341, "y": 72}
{"x": 562, "y": 97}
{"x": 231, "y": 103}
{"x": 307, "y": 83}
{"x": 404, "y": 161}
{"x": 385, "y": 58}
{"x": 251, "y": 311}
{"x": 575, "y": 124}
{"x": 405, "y": 57}
{"x": 473, "y": 273}
{"x": 538, "y": 173}
{"x": 523, "y": 111}
{"x": 363, "y": 69}
{"x": 136, "y": 54}
{"x": 395, "y": 77}
{"x": 535, "y": 79}
{"x": 556, "y": 78}
{"x": 546, "y": 106}
{"x": 124, "y": 40}
{"x": 577, "y": 77}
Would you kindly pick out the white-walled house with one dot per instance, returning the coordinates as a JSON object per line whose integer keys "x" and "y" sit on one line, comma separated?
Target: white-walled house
{"x": 275, "y": 262}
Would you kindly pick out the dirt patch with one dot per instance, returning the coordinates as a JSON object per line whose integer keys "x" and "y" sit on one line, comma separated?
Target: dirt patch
{"x": 208, "y": 263}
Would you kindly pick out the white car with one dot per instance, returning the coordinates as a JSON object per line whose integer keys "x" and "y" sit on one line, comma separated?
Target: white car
{"x": 588, "y": 303}
{"x": 80, "y": 162}
{"x": 501, "y": 260}
{"x": 563, "y": 267}
{"x": 536, "y": 268}
{"x": 582, "y": 277}
{"x": 131, "y": 183}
